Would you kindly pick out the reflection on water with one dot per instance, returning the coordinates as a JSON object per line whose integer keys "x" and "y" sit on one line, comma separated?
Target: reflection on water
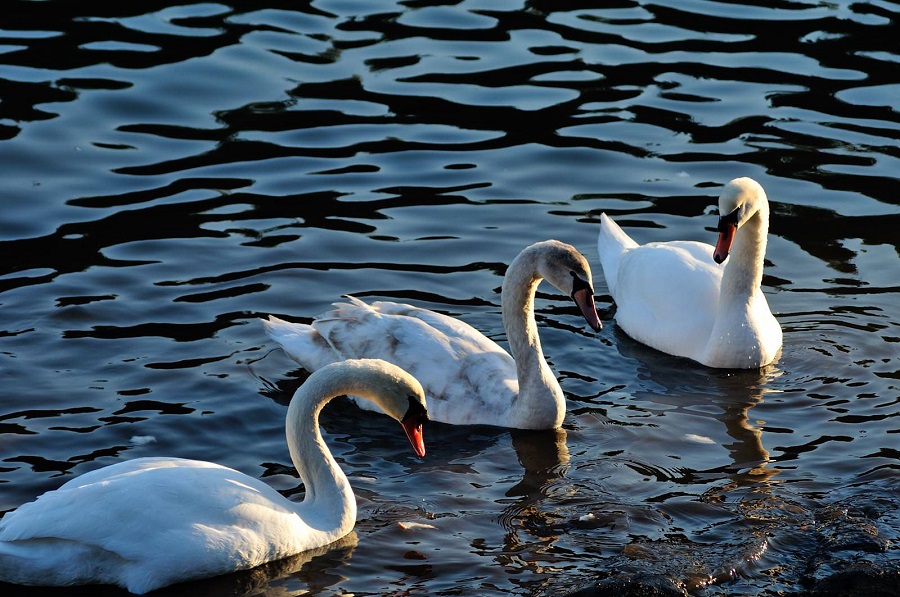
{"x": 172, "y": 173}
{"x": 543, "y": 456}
{"x": 727, "y": 397}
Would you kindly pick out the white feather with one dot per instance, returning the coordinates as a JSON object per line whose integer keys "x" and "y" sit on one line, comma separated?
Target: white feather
{"x": 673, "y": 297}
{"x": 467, "y": 377}
{"x": 151, "y": 522}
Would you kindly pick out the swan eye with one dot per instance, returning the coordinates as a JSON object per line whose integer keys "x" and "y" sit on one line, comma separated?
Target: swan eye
{"x": 729, "y": 220}
{"x": 579, "y": 284}
{"x": 415, "y": 410}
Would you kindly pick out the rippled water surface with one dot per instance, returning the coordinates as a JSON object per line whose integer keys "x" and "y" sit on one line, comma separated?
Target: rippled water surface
{"x": 172, "y": 172}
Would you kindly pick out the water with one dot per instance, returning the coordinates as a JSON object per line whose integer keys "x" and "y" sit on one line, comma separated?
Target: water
{"x": 172, "y": 172}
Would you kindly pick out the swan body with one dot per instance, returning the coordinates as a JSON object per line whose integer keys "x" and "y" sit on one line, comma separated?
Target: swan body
{"x": 151, "y": 522}
{"x": 467, "y": 377}
{"x": 673, "y": 297}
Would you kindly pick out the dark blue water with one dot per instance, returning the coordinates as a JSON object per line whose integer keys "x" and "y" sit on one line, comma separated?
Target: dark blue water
{"x": 171, "y": 172}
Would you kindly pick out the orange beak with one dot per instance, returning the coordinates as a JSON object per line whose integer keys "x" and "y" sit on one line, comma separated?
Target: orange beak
{"x": 413, "y": 428}
{"x": 584, "y": 298}
{"x": 723, "y": 245}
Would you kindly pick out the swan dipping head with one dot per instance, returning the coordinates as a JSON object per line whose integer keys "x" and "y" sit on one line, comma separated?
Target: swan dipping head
{"x": 395, "y": 391}
{"x": 740, "y": 200}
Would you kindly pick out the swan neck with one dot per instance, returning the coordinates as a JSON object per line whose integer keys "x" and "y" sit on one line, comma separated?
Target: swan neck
{"x": 517, "y": 305}
{"x": 328, "y": 491}
{"x": 537, "y": 383}
{"x": 744, "y": 270}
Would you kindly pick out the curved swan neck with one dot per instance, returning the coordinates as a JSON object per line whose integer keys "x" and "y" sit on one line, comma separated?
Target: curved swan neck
{"x": 537, "y": 383}
{"x": 327, "y": 489}
{"x": 517, "y": 306}
{"x": 743, "y": 273}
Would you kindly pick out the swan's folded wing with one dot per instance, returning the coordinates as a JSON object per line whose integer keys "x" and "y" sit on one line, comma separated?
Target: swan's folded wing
{"x": 136, "y": 511}
{"x": 668, "y": 295}
{"x": 385, "y": 329}
{"x": 454, "y": 362}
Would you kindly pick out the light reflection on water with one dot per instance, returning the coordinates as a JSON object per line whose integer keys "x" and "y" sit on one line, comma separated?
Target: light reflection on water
{"x": 171, "y": 175}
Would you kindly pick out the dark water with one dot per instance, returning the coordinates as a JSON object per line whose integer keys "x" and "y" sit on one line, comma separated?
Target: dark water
{"x": 171, "y": 172}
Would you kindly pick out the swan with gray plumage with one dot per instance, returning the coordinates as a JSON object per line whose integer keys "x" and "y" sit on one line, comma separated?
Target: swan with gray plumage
{"x": 672, "y": 297}
{"x": 151, "y": 522}
{"x": 467, "y": 377}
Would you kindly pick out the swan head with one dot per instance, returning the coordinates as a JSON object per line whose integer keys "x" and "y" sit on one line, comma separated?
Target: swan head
{"x": 739, "y": 201}
{"x": 395, "y": 391}
{"x": 568, "y": 271}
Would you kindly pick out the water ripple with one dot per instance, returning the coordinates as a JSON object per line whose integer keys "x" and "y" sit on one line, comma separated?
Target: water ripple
{"x": 172, "y": 173}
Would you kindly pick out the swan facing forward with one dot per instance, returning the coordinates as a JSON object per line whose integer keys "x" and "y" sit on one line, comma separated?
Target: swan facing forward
{"x": 669, "y": 295}
{"x": 151, "y": 522}
{"x": 468, "y": 378}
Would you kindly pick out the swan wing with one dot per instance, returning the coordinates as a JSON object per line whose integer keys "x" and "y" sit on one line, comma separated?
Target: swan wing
{"x": 667, "y": 295}
{"x": 467, "y": 377}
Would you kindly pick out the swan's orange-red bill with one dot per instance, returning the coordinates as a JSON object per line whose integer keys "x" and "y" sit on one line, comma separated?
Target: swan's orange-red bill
{"x": 584, "y": 298}
{"x": 723, "y": 245}
{"x": 413, "y": 428}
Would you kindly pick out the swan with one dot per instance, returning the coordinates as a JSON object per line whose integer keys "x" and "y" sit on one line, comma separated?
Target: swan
{"x": 151, "y": 522}
{"x": 468, "y": 378}
{"x": 670, "y": 296}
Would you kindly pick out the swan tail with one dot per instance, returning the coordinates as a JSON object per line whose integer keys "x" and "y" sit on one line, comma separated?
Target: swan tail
{"x": 355, "y": 309}
{"x": 356, "y": 302}
{"x": 612, "y": 244}
{"x": 302, "y": 342}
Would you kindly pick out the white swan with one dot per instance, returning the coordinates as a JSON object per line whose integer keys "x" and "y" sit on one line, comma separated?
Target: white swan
{"x": 468, "y": 378}
{"x": 669, "y": 295}
{"x": 151, "y": 522}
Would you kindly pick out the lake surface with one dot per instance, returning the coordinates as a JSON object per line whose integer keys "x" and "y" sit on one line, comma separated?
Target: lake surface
{"x": 171, "y": 172}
